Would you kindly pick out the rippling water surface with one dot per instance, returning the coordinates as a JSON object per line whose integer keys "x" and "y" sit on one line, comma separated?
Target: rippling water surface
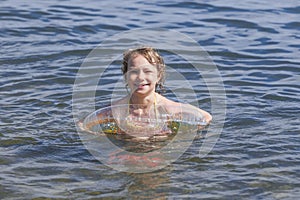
{"x": 255, "y": 45}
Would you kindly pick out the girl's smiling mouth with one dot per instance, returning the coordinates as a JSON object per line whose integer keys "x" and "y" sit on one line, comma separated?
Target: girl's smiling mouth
{"x": 141, "y": 86}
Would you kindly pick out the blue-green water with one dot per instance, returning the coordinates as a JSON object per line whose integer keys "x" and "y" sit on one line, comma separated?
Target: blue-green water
{"x": 255, "y": 45}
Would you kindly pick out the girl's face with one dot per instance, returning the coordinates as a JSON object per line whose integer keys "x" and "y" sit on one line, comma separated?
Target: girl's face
{"x": 141, "y": 76}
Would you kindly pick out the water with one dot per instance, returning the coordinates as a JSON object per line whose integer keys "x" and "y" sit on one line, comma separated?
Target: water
{"x": 255, "y": 45}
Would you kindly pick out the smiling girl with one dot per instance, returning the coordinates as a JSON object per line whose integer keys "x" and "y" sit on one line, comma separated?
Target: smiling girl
{"x": 144, "y": 113}
{"x": 144, "y": 72}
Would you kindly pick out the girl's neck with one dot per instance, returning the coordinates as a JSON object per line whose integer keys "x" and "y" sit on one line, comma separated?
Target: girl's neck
{"x": 143, "y": 101}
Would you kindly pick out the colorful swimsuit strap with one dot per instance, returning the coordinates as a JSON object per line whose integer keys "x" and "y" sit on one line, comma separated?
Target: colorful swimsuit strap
{"x": 155, "y": 108}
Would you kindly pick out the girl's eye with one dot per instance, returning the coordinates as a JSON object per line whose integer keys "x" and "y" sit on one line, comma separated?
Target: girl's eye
{"x": 148, "y": 71}
{"x": 133, "y": 71}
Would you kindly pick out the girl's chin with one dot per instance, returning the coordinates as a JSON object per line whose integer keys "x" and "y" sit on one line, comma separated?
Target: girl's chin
{"x": 142, "y": 91}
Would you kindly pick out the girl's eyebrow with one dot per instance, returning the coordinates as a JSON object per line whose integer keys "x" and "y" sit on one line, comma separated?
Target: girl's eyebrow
{"x": 142, "y": 66}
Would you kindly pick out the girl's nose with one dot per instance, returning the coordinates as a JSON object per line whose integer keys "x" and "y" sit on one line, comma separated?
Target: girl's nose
{"x": 141, "y": 75}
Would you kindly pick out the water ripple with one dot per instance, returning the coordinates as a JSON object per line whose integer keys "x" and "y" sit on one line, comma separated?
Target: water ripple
{"x": 254, "y": 44}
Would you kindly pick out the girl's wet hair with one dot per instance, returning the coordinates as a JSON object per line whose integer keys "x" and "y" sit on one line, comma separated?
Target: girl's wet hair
{"x": 152, "y": 57}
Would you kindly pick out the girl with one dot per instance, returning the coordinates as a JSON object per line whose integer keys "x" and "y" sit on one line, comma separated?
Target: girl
{"x": 144, "y": 73}
{"x": 143, "y": 112}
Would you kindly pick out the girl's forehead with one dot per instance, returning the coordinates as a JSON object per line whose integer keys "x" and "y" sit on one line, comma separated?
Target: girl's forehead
{"x": 138, "y": 60}
{"x": 141, "y": 62}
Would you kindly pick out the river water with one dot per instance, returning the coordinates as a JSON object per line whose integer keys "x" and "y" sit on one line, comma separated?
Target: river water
{"x": 255, "y": 46}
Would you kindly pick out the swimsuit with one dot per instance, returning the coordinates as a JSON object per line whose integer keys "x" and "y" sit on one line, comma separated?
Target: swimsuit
{"x": 138, "y": 124}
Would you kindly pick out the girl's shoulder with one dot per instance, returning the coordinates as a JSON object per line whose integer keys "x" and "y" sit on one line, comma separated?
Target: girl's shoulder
{"x": 168, "y": 104}
{"x": 165, "y": 101}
